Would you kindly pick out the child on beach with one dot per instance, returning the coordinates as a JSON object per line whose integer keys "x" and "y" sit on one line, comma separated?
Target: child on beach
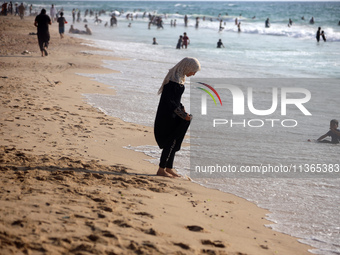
{"x": 179, "y": 43}
{"x": 334, "y": 133}
{"x": 62, "y": 21}
{"x": 172, "y": 121}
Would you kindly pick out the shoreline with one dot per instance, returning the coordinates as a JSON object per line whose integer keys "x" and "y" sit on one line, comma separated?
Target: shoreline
{"x": 68, "y": 185}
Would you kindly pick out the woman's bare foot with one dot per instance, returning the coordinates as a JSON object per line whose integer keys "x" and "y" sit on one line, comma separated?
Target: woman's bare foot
{"x": 162, "y": 172}
{"x": 172, "y": 172}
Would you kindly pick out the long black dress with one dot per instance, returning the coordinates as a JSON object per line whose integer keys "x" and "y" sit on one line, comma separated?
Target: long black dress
{"x": 170, "y": 124}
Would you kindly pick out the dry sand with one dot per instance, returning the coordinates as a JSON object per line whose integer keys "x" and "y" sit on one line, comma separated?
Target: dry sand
{"x": 67, "y": 185}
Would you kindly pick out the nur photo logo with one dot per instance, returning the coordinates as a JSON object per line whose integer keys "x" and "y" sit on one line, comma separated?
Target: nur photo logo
{"x": 204, "y": 96}
{"x": 254, "y": 100}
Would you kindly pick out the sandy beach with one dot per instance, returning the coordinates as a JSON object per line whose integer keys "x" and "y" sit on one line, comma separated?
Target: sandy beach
{"x": 69, "y": 187}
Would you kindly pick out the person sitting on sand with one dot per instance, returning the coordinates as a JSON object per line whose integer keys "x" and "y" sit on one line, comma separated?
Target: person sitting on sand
{"x": 172, "y": 121}
{"x": 334, "y": 133}
{"x": 73, "y": 30}
{"x": 88, "y": 30}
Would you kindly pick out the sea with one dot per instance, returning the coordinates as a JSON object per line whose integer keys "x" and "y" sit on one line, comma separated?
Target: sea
{"x": 304, "y": 207}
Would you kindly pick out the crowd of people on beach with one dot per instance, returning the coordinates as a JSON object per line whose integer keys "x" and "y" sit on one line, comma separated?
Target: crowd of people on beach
{"x": 8, "y": 8}
{"x": 154, "y": 20}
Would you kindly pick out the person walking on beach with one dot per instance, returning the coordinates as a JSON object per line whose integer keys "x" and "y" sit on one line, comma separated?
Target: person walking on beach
{"x": 21, "y": 9}
{"x": 186, "y": 40}
{"x": 61, "y": 21}
{"x": 10, "y": 8}
{"x": 53, "y": 13}
{"x": 41, "y": 22}
{"x": 172, "y": 121}
{"x": 318, "y": 33}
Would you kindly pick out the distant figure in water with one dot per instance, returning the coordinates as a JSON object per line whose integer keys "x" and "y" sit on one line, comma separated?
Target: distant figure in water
{"x": 179, "y": 43}
{"x": 339, "y": 23}
{"x": 318, "y": 33}
{"x": 154, "y": 41}
{"x": 220, "y": 44}
{"x": 221, "y": 27}
{"x": 267, "y": 23}
{"x": 290, "y": 22}
{"x": 186, "y": 40}
{"x": 239, "y": 27}
{"x": 334, "y": 133}
{"x": 323, "y": 36}
{"x": 311, "y": 21}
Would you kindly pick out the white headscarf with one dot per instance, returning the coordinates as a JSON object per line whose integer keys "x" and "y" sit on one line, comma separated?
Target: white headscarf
{"x": 178, "y": 72}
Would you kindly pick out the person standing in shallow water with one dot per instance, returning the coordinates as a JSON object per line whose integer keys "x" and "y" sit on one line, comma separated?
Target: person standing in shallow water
{"x": 318, "y": 33}
{"x": 172, "y": 121}
{"x": 41, "y": 22}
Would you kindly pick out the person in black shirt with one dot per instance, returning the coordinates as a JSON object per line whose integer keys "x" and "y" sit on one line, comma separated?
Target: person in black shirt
{"x": 42, "y": 21}
{"x": 318, "y": 33}
{"x": 220, "y": 44}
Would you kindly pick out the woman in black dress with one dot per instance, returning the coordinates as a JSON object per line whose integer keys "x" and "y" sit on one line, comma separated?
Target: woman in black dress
{"x": 172, "y": 121}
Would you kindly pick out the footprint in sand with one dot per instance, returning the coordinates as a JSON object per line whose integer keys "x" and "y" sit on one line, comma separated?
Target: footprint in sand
{"x": 195, "y": 228}
{"x": 218, "y": 244}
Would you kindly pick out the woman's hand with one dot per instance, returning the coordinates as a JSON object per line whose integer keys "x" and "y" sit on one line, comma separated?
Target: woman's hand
{"x": 188, "y": 117}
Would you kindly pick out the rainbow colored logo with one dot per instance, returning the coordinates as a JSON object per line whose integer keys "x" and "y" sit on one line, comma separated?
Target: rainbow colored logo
{"x": 209, "y": 93}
